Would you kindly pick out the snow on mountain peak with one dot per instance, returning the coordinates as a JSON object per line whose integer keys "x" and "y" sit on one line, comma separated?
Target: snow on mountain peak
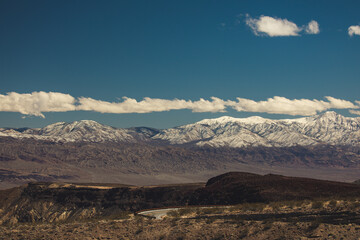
{"x": 326, "y": 116}
{"x": 223, "y": 119}
{"x": 330, "y": 115}
{"x": 65, "y": 128}
{"x": 83, "y": 130}
{"x": 254, "y": 120}
{"x": 227, "y": 119}
{"x": 328, "y": 128}
{"x": 82, "y": 123}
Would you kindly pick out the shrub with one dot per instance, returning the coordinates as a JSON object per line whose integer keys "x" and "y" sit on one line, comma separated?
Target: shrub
{"x": 332, "y": 203}
{"x": 316, "y": 205}
{"x": 253, "y": 206}
{"x": 235, "y": 208}
{"x": 139, "y": 231}
{"x": 244, "y": 233}
{"x": 210, "y": 210}
{"x": 354, "y": 205}
{"x": 119, "y": 215}
{"x": 218, "y": 236}
{"x": 267, "y": 225}
{"x": 313, "y": 225}
{"x": 238, "y": 219}
{"x": 209, "y": 220}
{"x": 173, "y": 213}
{"x": 139, "y": 219}
{"x": 276, "y": 205}
{"x": 186, "y": 211}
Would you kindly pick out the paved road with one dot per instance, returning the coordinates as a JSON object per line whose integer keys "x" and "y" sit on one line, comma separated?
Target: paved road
{"x": 158, "y": 214}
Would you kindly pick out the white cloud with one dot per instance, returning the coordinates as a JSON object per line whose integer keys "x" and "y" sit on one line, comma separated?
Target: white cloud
{"x": 356, "y": 112}
{"x": 278, "y": 27}
{"x": 216, "y": 105}
{"x": 312, "y": 27}
{"x": 273, "y": 27}
{"x": 275, "y": 105}
{"x": 130, "y": 105}
{"x": 340, "y": 103}
{"x": 36, "y": 102}
{"x": 354, "y": 30}
{"x": 282, "y": 105}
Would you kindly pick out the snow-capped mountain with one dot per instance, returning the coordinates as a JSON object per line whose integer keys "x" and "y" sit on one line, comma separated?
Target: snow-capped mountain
{"x": 85, "y": 130}
{"x": 326, "y": 128}
{"x": 329, "y": 127}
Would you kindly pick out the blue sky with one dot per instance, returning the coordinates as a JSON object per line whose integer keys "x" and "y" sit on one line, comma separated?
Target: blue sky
{"x": 107, "y": 50}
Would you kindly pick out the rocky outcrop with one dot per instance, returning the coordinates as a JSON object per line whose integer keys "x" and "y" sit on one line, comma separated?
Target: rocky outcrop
{"x": 48, "y": 202}
{"x": 53, "y": 202}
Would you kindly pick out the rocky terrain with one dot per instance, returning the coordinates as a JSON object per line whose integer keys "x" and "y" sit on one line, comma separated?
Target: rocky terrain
{"x": 261, "y": 207}
{"x": 53, "y": 202}
{"x": 184, "y": 228}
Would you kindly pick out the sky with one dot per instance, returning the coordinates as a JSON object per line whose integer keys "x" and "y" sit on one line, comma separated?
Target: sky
{"x": 167, "y": 63}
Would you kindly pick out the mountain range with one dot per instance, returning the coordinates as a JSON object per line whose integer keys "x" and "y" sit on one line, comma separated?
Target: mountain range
{"x": 327, "y": 128}
{"x": 324, "y": 146}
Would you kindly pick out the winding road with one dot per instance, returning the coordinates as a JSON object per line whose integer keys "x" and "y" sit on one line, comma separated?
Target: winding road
{"x": 158, "y": 213}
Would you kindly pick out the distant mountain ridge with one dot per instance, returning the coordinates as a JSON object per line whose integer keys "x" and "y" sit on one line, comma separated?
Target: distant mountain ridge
{"x": 326, "y": 128}
{"x": 326, "y": 146}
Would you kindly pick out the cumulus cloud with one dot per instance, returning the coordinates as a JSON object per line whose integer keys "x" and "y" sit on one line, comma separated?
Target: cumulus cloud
{"x": 130, "y": 105}
{"x": 278, "y": 27}
{"x": 312, "y": 27}
{"x": 354, "y": 30}
{"x": 356, "y": 112}
{"x": 36, "y": 103}
{"x": 272, "y": 27}
{"x": 282, "y": 105}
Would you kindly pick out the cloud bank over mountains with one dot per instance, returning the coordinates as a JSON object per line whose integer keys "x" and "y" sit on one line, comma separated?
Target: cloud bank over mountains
{"x": 37, "y": 103}
{"x": 282, "y": 105}
{"x": 147, "y": 105}
{"x": 277, "y": 27}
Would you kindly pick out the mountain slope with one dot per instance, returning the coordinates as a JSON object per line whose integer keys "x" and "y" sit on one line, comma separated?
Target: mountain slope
{"x": 327, "y": 128}
{"x": 78, "y": 131}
